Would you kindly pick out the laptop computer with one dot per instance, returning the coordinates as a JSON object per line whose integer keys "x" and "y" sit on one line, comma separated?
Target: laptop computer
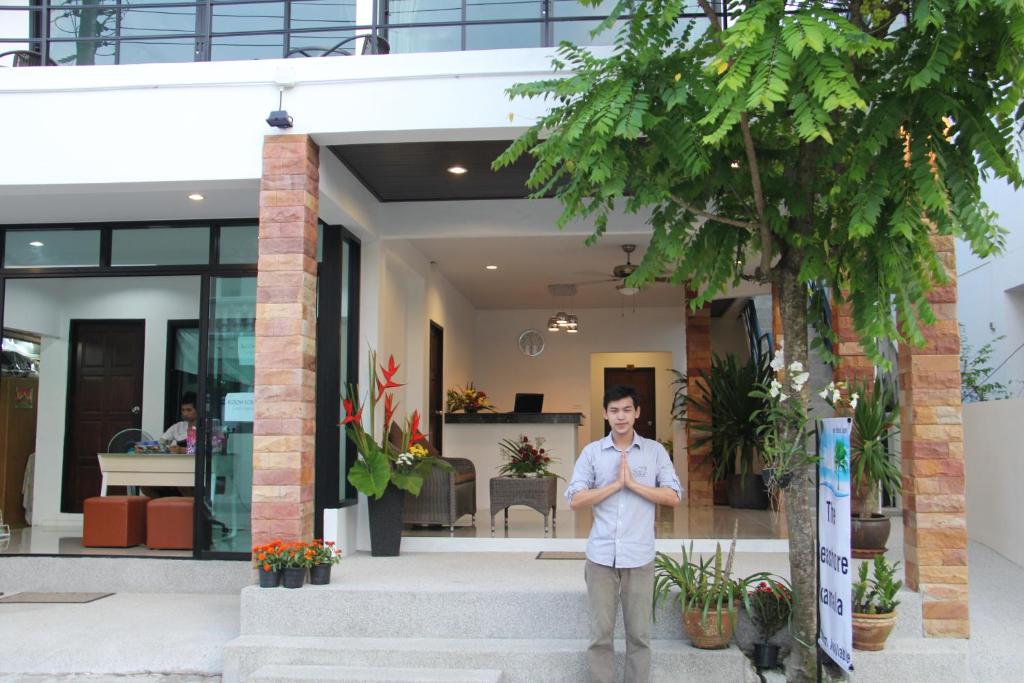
{"x": 528, "y": 403}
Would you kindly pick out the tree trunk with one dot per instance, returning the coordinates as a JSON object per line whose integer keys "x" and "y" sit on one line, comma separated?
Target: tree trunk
{"x": 801, "y": 495}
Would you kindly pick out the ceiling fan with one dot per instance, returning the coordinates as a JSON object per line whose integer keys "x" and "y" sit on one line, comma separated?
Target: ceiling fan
{"x": 623, "y": 271}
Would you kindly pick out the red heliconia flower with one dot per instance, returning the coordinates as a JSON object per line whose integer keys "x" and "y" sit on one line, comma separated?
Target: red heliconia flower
{"x": 389, "y": 410}
{"x": 391, "y": 369}
{"x": 356, "y": 417}
{"x": 414, "y": 429}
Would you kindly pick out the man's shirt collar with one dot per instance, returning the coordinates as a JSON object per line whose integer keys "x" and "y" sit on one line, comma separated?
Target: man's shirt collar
{"x": 608, "y": 442}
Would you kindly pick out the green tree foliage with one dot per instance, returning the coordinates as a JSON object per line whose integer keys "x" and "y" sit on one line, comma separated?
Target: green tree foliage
{"x": 830, "y": 139}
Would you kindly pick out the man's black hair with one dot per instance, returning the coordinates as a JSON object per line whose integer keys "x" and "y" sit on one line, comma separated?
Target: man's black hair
{"x": 619, "y": 392}
{"x": 189, "y": 398}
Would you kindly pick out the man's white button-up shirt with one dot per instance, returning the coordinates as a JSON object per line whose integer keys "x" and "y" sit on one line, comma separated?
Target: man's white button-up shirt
{"x": 623, "y": 532}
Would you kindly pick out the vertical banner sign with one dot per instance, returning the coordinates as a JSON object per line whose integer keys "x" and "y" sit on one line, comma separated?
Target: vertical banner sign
{"x": 834, "y": 567}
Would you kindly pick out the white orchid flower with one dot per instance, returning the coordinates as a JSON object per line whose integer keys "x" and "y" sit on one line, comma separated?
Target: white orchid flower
{"x": 824, "y": 393}
{"x": 853, "y": 401}
{"x": 775, "y": 388}
{"x": 796, "y": 366}
{"x": 836, "y": 396}
{"x": 778, "y": 362}
{"x": 782, "y": 397}
{"x": 799, "y": 380}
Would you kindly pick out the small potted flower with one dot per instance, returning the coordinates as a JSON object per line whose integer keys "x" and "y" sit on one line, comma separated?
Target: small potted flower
{"x": 874, "y": 603}
{"x": 325, "y": 555}
{"x": 269, "y": 560}
{"x": 769, "y": 605}
{"x": 298, "y": 557}
{"x": 525, "y": 459}
{"x": 468, "y": 399}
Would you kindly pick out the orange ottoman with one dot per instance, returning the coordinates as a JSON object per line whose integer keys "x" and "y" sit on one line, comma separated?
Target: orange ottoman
{"x": 114, "y": 521}
{"x": 169, "y": 523}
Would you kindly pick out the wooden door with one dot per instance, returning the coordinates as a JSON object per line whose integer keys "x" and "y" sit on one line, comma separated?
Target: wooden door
{"x": 104, "y": 397}
{"x": 436, "y": 395}
{"x": 642, "y": 380}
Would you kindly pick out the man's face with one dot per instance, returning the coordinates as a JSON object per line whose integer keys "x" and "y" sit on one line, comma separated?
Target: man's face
{"x": 622, "y": 415}
{"x": 188, "y": 413}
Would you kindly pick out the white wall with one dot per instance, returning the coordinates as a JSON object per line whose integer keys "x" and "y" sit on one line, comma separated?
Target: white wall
{"x": 995, "y": 470}
{"x": 46, "y": 307}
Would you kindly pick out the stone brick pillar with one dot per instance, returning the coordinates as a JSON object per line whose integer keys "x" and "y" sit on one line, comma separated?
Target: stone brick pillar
{"x": 934, "y": 512}
{"x": 853, "y": 365}
{"x": 284, "y": 427}
{"x": 698, "y": 357}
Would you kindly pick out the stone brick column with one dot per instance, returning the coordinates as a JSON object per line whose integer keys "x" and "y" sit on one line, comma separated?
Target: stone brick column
{"x": 934, "y": 512}
{"x": 284, "y": 427}
{"x": 698, "y": 357}
{"x": 853, "y": 365}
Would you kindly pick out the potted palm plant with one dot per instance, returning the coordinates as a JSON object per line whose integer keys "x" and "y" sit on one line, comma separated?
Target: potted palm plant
{"x": 874, "y": 603}
{"x": 728, "y": 416}
{"x": 872, "y": 470}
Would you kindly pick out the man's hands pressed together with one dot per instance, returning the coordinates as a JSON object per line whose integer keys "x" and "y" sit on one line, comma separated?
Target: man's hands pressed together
{"x": 625, "y": 480}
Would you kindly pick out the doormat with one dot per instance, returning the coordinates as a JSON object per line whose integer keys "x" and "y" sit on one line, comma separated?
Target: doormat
{"x": 54, "y": 598}
{"x": 560, "y": 555}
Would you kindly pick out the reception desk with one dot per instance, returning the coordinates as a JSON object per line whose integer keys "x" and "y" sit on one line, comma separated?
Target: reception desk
{"x": 476, "y": 437}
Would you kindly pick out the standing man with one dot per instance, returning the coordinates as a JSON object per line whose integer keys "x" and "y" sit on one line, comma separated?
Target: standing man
{"x": 623, "y": 477}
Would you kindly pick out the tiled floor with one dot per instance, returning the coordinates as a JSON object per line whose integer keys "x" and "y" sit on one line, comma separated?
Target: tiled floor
{"x": 33, "y": 541}
{"x": 680, "y": 522}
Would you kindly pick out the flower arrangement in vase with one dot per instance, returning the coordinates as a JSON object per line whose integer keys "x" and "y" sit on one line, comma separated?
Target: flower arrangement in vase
{"x": 468, "y": 399}
{"x": 525, "y": 459}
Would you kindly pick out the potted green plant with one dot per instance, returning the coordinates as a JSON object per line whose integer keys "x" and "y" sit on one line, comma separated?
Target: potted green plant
{"x": 872, "y": 470}
{"x": 727, "y": 413}
{"x": 385, "y": 471}
{"x": 874, "y": 603}
{"x": 769, "y": 604}
{"x": 324, "y": 556}
{"x": 525, "y": 459}
{"x": 269, "y": 560}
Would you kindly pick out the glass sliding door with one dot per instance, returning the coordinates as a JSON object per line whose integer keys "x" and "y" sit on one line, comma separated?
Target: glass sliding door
{"x": 226, "y": 496}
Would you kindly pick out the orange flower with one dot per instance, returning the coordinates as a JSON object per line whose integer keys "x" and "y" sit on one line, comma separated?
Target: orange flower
{"x": 261, "y": 557}
{"x": 266, "y": 567}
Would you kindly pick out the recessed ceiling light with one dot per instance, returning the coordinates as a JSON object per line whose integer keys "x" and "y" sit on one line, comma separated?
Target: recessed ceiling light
{"x": 35, "y": 243}
{"x": 457, "y": 170}
{"x": 492, "y": 267}
{"x": 196, "y": 197}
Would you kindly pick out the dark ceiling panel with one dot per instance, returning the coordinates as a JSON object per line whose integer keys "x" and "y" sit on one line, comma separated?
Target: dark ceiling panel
{"x": 417, "y": 171}
{"x": 720, "y": 306}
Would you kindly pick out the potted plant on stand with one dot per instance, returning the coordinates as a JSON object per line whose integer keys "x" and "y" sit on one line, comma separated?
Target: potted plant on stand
{"x": 269, "y": 559}
{"x": 384, "y": 471}
{"x": 525, "y": 459}
{"x": 872, "y": 470}
{"x": 325, "y": 555}
{"x": 874, "y": 603}
{"x": 769, "y": 605}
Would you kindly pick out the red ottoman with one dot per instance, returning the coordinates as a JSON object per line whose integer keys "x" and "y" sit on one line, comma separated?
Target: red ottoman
{"x": 169, "y": 523}
{"x": 114, "y": 521}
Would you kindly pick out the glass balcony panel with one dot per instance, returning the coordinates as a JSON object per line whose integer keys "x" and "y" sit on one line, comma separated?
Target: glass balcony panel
{"x": 322, "y": 13}
{"x": 422, "y": 12}
{"x": 157, "y": 50}
{"x": 572, "y": 8}
{"x": 318, "y": 42}
{"x": 267, "y": 46}
{"x": 482, "y": 10}
{"x": 88, "y": 22}
{"x": 15, "y": 25}
{"x": 82, "y": 52}
{"x": 51, "y": 248}
{"x": 578, "y": 32}
{"x": 157, "y": 21}
{"x": 425, "y": 39}
{"x": 263, "y": 16}
{"x": 501, "y": 36}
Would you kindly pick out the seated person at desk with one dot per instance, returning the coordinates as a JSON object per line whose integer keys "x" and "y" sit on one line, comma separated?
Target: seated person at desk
{"x": 181, "y": 439}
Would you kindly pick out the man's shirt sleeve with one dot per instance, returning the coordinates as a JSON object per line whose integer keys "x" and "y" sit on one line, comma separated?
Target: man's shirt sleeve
{"x": 583, "y": 475}
{"x": 667, "y": 477}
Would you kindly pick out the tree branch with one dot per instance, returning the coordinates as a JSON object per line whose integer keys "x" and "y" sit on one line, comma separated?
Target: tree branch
{"x": 755, "y": 181}
{"x": 712, "y": 217}
{"x": 709, "y": 12}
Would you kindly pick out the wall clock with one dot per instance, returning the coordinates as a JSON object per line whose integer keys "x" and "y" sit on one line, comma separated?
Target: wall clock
{"x": 531, "y": 342}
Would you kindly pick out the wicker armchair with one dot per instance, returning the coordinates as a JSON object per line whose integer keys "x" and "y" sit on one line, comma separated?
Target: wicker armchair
{"x": 445, "y": 496}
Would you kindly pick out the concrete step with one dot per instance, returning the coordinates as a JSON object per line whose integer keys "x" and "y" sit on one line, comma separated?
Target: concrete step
{"x": 362, "y": 674}
{"x": 914, "y": 659}
{"x": 521, "y": 660}
{"x": 84, "y": 574}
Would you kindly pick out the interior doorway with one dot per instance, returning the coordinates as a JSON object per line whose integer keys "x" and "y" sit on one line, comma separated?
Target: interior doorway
{"x": 436, "y": 384}
{"x": 642, "y": 381}
{"x": 104, "y": 397}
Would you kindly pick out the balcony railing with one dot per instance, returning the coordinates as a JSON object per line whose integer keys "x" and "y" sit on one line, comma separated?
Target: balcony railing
{"x": 65, "y": 32}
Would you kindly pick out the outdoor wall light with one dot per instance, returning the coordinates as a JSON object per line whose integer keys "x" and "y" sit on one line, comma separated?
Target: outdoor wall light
{"x": 279, "y": 119}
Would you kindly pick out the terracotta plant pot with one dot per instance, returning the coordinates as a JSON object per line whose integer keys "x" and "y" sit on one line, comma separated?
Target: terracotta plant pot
{"x": 870, "y": 631}
{"x": 713, "y": 634}
{"x": 868, "y": 535}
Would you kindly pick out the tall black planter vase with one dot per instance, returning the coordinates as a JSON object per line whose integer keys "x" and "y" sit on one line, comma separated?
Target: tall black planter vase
{"x": 386, "y": 522}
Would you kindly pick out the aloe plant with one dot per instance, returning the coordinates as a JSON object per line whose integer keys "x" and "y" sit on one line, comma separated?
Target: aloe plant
{"x": 876, "y": 595}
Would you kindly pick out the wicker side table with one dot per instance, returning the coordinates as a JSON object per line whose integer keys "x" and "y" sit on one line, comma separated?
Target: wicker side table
{"x": 538, "y": 493}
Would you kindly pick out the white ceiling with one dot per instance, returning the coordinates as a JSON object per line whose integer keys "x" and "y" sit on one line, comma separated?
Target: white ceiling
{"x": 527, "y": 265}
